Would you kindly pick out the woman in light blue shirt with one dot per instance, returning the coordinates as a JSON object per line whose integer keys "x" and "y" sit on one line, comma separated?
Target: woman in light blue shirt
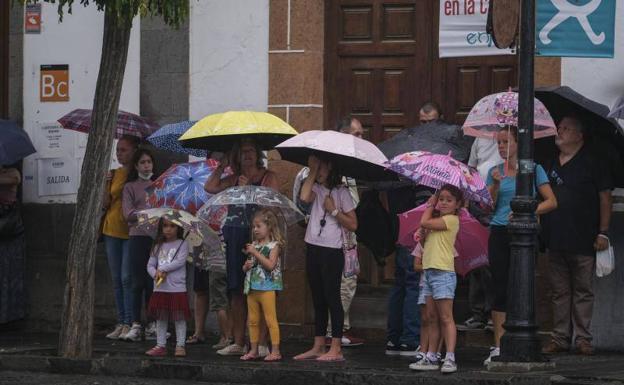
{"x": 501, "y": 181}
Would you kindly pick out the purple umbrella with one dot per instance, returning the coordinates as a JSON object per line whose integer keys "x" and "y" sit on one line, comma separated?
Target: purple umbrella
{"x": 433, "y": 170}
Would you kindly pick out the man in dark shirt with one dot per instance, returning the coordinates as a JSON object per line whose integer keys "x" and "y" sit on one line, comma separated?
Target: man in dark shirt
{"x": 573, "y": 233}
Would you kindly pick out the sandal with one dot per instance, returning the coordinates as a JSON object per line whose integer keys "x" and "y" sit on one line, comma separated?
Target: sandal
{"x": 192, "y": 340}
{"x": 249, "y": 357}
{"x": 273, "y": 357}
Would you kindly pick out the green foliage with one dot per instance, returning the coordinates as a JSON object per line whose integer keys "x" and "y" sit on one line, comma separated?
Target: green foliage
{"x": 173, "y": 12}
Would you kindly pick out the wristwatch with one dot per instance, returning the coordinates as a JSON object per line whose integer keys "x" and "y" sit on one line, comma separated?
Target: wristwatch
{"x": 335, "y": 213}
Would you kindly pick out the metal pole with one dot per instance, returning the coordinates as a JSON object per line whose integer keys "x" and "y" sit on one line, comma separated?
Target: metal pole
{"x": 520, "y": 342}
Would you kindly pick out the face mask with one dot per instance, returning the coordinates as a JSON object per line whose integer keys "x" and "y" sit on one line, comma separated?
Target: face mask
{"x": 147, "y": 176}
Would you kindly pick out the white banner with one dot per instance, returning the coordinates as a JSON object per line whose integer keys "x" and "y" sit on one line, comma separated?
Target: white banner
{"x": 52, "y": 141}
{"x": 462, "y": 29}
{"x": 57, "y": 176}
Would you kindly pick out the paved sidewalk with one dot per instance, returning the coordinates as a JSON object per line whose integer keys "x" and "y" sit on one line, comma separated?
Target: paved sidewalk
{"x": 364, "y": 365}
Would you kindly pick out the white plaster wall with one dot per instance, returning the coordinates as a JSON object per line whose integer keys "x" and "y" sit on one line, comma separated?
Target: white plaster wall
{"x": 599, "y": 79}
{"x": 229, "y": 63}
{"x": 76, "y": 41}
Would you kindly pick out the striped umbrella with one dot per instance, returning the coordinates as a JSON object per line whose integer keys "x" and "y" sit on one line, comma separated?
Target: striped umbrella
{"x": 166, "y": 138}
{"x": 435, "y": 171}
{"x": 127, "y": 123}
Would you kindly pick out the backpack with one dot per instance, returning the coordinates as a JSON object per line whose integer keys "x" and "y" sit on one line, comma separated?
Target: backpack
{"x": 376, "y": 227}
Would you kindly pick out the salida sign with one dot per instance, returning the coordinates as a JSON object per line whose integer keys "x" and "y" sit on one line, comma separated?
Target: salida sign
{"x": 57, "y": 176}
{"x": 54, "y": 83}
{"x": 462, "y": 29}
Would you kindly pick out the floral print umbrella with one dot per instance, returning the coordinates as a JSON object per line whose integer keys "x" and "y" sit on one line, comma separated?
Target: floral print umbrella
{"x": 494, "y": 112}
{"x": 182, "y": 186}
{"x": 434, "y": 170}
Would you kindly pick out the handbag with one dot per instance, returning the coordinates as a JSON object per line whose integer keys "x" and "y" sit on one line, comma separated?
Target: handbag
{"x": 107, "y": 187}
{"x": 349, "y": 249}
{"x": 605, "y": 261}
{"x": 11, "y": 224}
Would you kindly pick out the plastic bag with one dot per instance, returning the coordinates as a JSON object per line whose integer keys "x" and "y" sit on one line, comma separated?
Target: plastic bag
{"x": 605, "y": 261}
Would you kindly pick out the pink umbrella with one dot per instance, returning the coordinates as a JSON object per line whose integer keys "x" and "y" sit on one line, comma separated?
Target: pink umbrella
{"x": 434, "y": 170}
{"x": 127, "y": 123}
{"x": 496, "y": 111}
{"x": 471, "y": 243}
{"x": 354, "y": 157}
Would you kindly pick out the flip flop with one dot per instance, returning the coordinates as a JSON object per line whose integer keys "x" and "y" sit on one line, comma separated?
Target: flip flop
{"x": 311, "y": 358}
{"x": 192, "y": 340}
{"x": 249, "y": 357}
{"x": 267, "y": 359}
{"x": 341, "y": 359}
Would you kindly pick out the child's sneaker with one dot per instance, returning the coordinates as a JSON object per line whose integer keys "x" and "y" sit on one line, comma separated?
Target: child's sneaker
{"x": 134, "y": 335}
{"x": 157, "y": 351}
{"x": 494, "y": 352}
{"x": 449, "y": 366}
{"x": 263, "y": 351}
{"x": 223, "y": 343}
{"x": 392, "y": 349}
{"x": 180, "y": 351}
{"x": 150, "y": 331}
{"x": 425, "y": 365}
{"x": 114, "y": 335}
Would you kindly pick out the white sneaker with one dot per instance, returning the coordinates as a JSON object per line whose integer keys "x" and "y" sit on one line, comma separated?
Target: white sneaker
{"x": 232, "y": 350}
{"x": 449, "y": 366}
{"x": 124, "y": 330}
{"x": 134, "y": 335}
{"x": 263, "y": 351}
{"x": 425, "y": 365}
{"x": 114, "y": 335}
{"x": 494, "y": 352}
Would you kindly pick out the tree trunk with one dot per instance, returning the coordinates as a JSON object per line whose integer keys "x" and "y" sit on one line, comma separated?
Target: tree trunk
{"x": 78, "y": 306}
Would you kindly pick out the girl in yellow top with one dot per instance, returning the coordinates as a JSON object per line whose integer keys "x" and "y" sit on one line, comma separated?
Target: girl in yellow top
{"x": 115, "y": 232}
{"x": 441, "y": 222}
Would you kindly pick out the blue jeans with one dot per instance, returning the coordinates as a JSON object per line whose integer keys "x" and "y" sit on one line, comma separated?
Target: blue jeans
{"x": 120, "y": 267}
{"x": 403, "y": 309}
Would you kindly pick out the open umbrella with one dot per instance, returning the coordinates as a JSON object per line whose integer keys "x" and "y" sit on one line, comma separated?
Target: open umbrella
{"x": 204, "y": 243}
{"x": 182, "y": 186}
{"x": 471, "y": 243}
{"x": 435, "y": 171}
{"x": 127, "y": 123}
{"x": 219, "y": 132}
{"x": 437, "y": 137}
{"x": 167, "y": 136}
{"x": 352, "y": 156}
{"x": 235, "y": 206}
{"x": 496, "y": 111}
{"x": 617, "y": 112}
{"x": 15, "y": 144}
{"x": 604, "y": 135}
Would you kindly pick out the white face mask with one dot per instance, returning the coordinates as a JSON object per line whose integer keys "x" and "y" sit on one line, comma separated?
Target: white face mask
{"x": 147, "y": 176}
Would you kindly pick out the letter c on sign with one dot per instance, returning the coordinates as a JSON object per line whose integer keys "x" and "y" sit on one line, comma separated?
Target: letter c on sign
{"x": 58, "y": 89}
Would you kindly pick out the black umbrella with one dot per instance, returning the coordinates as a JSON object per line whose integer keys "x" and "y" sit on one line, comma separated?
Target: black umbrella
{"x": 436, "y": 137}
{"x": 15, "y": 144}
{"x": 604, "y": 134}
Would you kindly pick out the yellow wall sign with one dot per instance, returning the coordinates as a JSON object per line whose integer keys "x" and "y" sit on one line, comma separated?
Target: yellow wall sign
{"x": 54, "y": 83}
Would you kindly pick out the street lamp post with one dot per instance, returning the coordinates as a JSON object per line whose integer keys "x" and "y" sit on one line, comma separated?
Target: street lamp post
{"x": 520, "y": 342}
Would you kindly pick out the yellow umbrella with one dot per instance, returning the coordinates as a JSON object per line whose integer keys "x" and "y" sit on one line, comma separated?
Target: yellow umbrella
{"x": 218, "y": 132}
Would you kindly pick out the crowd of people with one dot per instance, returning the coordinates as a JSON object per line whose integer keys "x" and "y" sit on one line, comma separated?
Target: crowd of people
{"x": 149, "y": 276}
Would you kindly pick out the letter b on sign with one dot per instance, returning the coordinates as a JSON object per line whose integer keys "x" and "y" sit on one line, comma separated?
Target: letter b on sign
{"x": 54, "y": 83}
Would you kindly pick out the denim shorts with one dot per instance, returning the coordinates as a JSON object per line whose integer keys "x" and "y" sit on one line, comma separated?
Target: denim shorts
{"x": 421, "y": 291}
{"x": 439, "y": 284}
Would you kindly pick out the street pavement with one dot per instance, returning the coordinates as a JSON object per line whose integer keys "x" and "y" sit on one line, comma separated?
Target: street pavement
{"x": 365, "y": 365}
{"x": 30, "y": 378}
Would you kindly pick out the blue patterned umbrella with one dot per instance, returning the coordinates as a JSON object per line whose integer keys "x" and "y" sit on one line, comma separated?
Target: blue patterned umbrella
{"x": 182, "y": 186}
{"x": 167, "y": 136}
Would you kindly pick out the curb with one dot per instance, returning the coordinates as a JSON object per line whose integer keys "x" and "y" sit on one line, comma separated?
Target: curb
{"x": 259, "y": 374}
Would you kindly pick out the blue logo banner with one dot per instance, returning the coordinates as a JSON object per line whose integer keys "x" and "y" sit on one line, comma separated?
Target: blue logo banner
{"x": 579, "y": 28}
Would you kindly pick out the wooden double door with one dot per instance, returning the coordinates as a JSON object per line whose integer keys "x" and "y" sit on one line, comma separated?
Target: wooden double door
{"x": 382, "y": 64}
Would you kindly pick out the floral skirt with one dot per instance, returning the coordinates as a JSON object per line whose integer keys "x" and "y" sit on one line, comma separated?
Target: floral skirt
{"x": 169, "y": 306}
